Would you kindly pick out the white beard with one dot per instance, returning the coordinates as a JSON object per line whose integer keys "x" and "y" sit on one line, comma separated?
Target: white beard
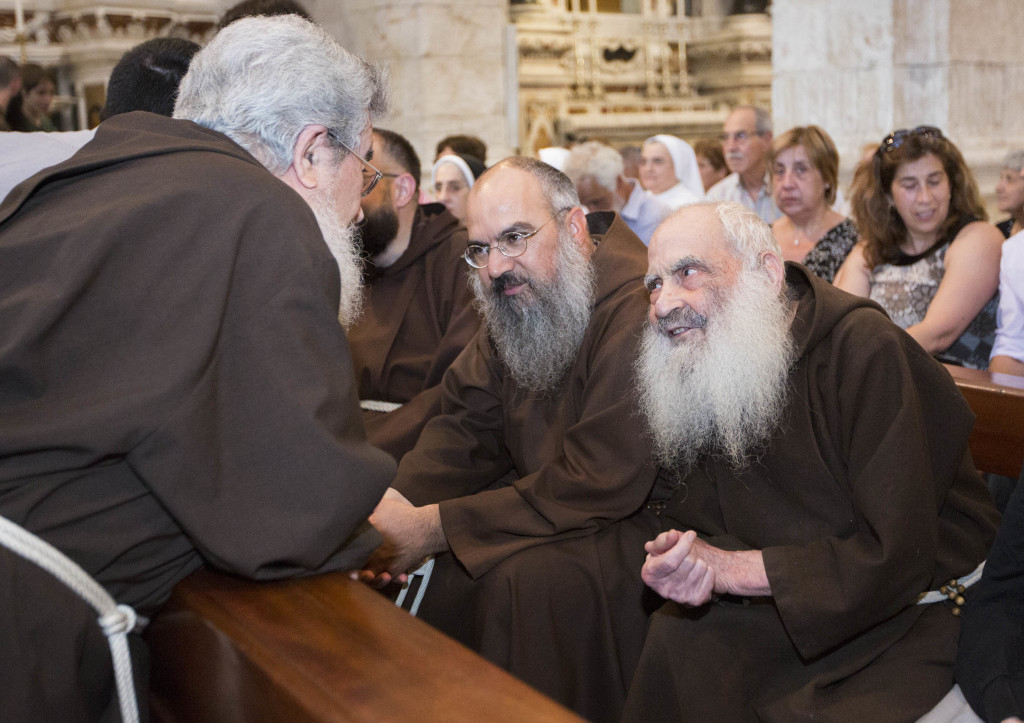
{"x": 341, "y": 240}
{"x": 721, "y": 391}
{"x": 538, "y": 340}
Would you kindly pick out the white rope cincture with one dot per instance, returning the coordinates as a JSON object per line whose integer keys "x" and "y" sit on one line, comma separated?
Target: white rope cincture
{"x": 423, "y": 572}
{"x": 934, "y": 596}
{"x": 374, "y": 405}
{"x": 115, "y": 620}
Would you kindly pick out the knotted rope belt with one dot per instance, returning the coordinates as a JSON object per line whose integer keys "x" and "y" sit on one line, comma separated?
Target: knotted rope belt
{"x": 116, "y": 620}
{"x": 953, "y": 590}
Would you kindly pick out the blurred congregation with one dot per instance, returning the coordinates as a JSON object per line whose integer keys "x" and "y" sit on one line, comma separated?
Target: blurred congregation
{"x": 660, "y": 423}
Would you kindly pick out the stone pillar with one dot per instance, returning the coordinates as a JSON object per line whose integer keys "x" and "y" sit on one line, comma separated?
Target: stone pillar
{"x": 863, "y": 68}
{"x": 449, "y": 72}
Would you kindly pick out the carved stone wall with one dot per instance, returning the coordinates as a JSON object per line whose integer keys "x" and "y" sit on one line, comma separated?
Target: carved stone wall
{"x": 625, "y": 76}
{"x": 863, "y": 69}
{"x": 85, "y": 39}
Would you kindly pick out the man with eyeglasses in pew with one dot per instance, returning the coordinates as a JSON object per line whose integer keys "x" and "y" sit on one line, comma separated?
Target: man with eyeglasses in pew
{"x": 533, "y": 487}
{"x": 176, "y": 387}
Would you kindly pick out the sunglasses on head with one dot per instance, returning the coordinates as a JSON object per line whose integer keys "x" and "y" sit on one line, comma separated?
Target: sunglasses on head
{"x": 895, "y": 139}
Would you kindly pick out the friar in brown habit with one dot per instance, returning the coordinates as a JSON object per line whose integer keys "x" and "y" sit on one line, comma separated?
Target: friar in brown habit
{"x": 418, "y": 312}
{"x": 176, "y": 389}
{"x": 823, "y": 484}
{"x": 532, "y": 485}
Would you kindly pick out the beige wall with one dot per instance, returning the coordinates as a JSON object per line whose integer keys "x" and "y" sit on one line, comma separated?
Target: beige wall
{"x": 861, "y": 69}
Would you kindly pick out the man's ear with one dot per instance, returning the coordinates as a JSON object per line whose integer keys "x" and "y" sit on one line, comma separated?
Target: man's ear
{"x": 578, "y": 228}
{"x": 311, "y": 152}
{"x": 623, "y": 188}
{"x": 403, "y": 190}
{"x": 775, "y": 269}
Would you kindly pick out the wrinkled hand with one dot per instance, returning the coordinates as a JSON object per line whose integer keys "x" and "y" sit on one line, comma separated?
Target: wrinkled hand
{"x": 410, "y": 534}
{"x": 675, "y": 570}
{"x": 685, "y": 569}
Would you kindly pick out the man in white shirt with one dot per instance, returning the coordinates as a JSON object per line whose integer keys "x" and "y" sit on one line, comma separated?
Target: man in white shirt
{"x": 746, "y": 139}
{"x": 597, "y": 172}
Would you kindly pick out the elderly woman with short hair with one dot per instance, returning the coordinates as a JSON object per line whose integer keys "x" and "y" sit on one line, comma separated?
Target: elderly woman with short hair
{"x": 804, "y": 168}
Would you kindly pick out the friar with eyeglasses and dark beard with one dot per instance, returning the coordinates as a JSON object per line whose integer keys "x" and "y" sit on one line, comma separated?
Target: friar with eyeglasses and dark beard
{"x": 825, "y": 495}
{"x": 533, "y": 488}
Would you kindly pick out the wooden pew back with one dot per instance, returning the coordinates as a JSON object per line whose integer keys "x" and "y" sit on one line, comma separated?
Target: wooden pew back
{"x": 997, "y": 400}
{"x": 323, "y": 648}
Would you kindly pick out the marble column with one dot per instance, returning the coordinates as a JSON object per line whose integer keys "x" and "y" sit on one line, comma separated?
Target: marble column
{"x": 448, "y": 61}
{"x": 862, "y": 68}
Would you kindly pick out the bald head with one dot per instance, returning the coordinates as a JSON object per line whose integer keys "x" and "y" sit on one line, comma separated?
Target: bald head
{"x": 699, "y": 252}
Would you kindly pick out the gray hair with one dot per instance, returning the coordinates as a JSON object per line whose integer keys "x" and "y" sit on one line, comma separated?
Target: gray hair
{"x": 262, "y": 80}
{"x": 555, "y": 185}
{"x": 1014, "y": 160}
{"x": 747, "y": 234}
{"x": 597, "y": 160}
{"x": 762, "y": 118}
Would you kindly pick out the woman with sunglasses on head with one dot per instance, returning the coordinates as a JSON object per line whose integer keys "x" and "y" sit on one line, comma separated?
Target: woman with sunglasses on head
{"x": 926, "y": 254}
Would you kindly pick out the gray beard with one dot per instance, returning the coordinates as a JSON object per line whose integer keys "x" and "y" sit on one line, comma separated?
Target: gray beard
{"x": 342, "y": 241}
{"x": 538, "y": 340}
{"x": 723, "y": 392}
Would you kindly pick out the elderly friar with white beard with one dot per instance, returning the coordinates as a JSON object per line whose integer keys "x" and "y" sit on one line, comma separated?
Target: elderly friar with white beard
{"x": 177, "y": 390}
{"x": 823, "y": 485}
{"x": 532, "y": 486}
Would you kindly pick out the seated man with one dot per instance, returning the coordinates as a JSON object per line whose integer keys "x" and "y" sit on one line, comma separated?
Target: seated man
{"x": 176, "y": 388}
{"x": 597, "y": 172}
{"x": 536, "y": 474}
{"x": 418, "y": 313}
{"x": 823, "y": 484}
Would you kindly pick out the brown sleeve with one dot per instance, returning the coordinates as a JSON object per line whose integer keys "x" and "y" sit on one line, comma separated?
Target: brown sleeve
{"x": 603, "y": 473}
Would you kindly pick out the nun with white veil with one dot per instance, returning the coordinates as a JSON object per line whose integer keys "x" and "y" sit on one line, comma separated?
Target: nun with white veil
{"x": 669, "y": 171}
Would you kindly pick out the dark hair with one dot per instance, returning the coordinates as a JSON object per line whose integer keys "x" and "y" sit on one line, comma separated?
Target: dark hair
{"x": 400, "y": 149}
{"x": 711, "y": 148}
{"x": 31, "y": 76}
{"x": 8, "y": 71}
{"x": 876, "y": 217}
{"x": 463, "y": 146}
{"x": 249, "y": 8}
{"x": 147, "y": 77}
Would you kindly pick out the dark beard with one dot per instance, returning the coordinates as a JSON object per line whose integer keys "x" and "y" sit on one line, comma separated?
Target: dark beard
{"x": 538, "y": 332}
{"x": 378, "y": 229}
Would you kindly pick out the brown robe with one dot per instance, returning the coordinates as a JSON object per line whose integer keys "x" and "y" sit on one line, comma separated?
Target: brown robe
{"x": 418, "y": 316}
{"x": 542, "y": 501}
{"x": 865, "y": 498}
{"x": 174, "y": 386}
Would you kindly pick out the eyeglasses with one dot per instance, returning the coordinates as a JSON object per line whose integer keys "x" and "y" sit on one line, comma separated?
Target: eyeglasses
{"x": 371, "y": 176}
{"x": 510, "y": 244}
{"x": 738, "y": 136}
{"x": 895, "y": 139}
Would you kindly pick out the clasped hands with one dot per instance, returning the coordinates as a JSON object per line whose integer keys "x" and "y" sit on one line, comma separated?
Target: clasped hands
{"x": 410, "y": 534}
{"x": 684, "y": 568}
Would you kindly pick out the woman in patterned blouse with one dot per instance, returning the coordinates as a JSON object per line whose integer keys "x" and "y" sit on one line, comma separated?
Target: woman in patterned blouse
{"x": 926, "y": 254}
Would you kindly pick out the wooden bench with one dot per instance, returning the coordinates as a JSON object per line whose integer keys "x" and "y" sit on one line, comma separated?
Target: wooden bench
{"x": 997, "y": 400}
{"x": 323, "y": 648}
